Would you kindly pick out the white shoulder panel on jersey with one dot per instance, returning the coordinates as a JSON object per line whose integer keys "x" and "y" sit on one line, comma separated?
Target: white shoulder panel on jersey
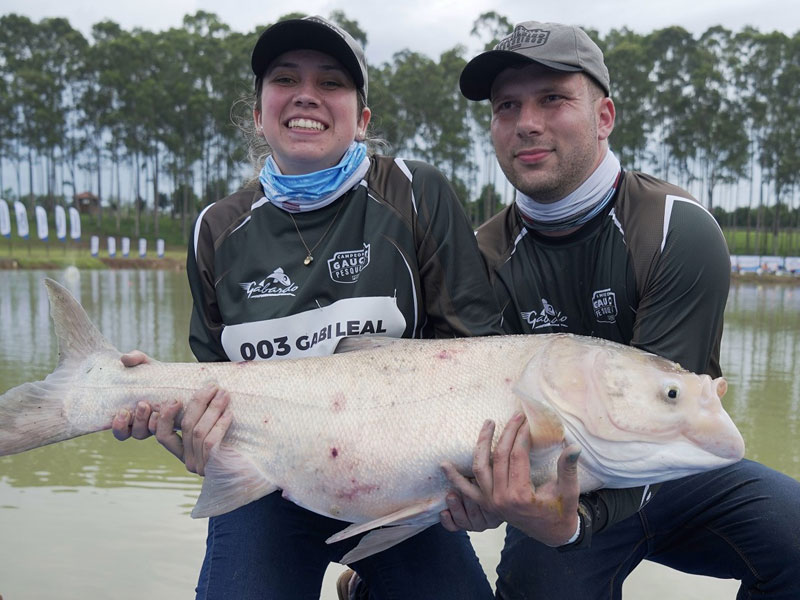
{"x": 197, "y": 227}
{"x": 401, "y": 164}
{"x": 671, "y": 200}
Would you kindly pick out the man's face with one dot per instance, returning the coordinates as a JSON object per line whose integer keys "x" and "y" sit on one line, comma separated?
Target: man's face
{"x": 548, "y": 129}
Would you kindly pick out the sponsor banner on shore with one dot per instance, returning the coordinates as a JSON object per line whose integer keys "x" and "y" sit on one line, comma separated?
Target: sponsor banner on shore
{"x": 94, "y": 245}
{"x": 5, "y": 219}
{"x": 22, "y": 220}
{"x": 112, "y": 246}
{"x": 748, "y": 263}
{"x": 142, "y": 247}
{"x": 41, "y": 223}
{"x": 61, "y": 223}
{"x": 771, "y": 264}
{"x": 126, "y": 247}
{"x": 792, "y": 264}
{"x": 160, "y": 248}
{"x": 74, "y": 223}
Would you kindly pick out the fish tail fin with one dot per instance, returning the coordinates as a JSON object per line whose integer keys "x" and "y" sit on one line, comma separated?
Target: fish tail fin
{"x": 33, "y": 414}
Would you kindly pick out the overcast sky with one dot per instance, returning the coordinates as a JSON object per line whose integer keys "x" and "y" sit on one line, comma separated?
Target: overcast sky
{"x": 427, "y": 26}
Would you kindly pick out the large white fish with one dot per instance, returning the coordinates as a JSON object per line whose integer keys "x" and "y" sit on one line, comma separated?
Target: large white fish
{"x": 360, "y": 435}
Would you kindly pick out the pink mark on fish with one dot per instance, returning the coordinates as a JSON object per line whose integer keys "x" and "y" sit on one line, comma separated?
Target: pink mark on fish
{"x": 338, "y": 402}
{"x": 355, "y": 490}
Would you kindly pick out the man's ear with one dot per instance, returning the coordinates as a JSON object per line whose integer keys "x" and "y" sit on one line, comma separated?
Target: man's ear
{"x": 606, "y": 113}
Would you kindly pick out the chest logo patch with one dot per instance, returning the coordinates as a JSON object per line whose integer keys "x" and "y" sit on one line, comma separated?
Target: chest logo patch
{"x": 276, "y": 283}
{"x": 547, "y": 317}
{"x": 604, "y": 303}
{"x": 346, "y": 266}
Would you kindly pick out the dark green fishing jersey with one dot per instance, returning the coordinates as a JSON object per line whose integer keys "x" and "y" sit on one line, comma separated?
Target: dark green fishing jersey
{"x": 394, "y": 256}
{"x": 652, "y": 271}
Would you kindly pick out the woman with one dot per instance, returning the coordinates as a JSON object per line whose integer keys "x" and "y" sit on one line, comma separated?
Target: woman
{"x": 329, "y": 237}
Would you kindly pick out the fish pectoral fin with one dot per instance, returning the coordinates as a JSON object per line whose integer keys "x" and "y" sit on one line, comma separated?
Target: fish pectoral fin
{"x": 423, "y": 513}
{"x": 381, "y": 539}
{"x": 231, "y": 480}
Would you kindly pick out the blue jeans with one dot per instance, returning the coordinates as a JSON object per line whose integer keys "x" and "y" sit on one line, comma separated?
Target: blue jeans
{"x": 740, "y": 522}
{"x": 273, "y": 549}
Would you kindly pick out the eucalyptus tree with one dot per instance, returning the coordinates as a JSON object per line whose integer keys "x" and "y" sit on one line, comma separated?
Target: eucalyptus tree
{"x": 630, "y": 63}
{"x": 18, "y": 45}
{"x": 765, "y": 102}
{"x": 98, "y": 101}
{"x": 717, "y": 116}
{"x": 7, "y": 134}
{"x": 673, "y": 51}
{"x": 489, "y": 28}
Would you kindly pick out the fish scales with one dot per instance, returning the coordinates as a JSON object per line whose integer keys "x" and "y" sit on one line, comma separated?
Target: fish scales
{"x": 360, "y": 435}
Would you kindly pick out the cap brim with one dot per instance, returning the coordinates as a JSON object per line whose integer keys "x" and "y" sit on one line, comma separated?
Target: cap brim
{"x": 297, "y": 34}
{"x": 479, "y": 74}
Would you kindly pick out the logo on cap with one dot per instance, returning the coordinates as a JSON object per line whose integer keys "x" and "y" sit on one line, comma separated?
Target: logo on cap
{"x": 524, "y": 38}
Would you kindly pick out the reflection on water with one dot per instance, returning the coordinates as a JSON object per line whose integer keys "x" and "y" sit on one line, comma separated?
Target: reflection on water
{"x": 64, "y": 506}
{"x": 761, "y": 360}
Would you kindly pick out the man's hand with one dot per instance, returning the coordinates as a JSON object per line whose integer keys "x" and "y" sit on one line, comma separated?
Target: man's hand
{"x": 502, "y": 487}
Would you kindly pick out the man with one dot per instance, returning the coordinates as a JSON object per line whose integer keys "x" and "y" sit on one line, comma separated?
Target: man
{"x": 591, "y": 249}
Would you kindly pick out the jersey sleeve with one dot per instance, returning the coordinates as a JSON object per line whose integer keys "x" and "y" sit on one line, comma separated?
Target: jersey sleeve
{"x": 457, "y": 295}
{"x": 680, "y": 312}
{"x": 205, "y": 327}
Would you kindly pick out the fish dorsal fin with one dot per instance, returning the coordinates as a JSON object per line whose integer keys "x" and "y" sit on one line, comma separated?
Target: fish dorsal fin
{"x": 77, "y": 335}
{"x": 365, "y": 342}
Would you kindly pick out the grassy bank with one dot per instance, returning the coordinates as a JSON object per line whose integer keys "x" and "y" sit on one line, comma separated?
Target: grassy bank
{"x": 38, "y": 255}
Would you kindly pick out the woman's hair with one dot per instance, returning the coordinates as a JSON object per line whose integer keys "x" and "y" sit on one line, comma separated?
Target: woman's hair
{"x": 257, "y": 147}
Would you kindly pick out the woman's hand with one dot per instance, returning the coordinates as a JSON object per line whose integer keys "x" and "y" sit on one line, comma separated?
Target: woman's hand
{"x": 502, "y": 487}
{"x": 138, "y": 424}
{"x": 203, "y": 423}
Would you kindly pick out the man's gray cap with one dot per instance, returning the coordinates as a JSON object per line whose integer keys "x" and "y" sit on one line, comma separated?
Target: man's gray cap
{"x": 552, "y": 45}
{"x": 310, "y": 33}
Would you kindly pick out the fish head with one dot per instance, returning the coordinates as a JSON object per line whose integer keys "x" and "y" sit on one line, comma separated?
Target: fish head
{"x": 639, "y": 417}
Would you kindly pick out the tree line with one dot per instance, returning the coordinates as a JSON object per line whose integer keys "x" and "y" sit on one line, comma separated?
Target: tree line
{"x": 718, "y": 113}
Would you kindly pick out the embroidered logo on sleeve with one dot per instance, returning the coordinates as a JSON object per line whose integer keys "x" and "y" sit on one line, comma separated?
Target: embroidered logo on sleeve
{"x": 604, "y": 303}
{"x": 547, "y": 317}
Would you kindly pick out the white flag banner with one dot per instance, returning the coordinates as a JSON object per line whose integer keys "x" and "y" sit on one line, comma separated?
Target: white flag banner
{"x": 41, "y": 223}
{"x": 61, "y": 223}
{"x": 22, "y": 219}
{"x": 126, "y": 247}
{"x": 74, "y": 223}
{"x": 112, "y": 247}
{"x": 94, "y": 245}
{"x": 5, "y": 219}
{"x": 142, "y": 247}
{"x": 160, "y": 248}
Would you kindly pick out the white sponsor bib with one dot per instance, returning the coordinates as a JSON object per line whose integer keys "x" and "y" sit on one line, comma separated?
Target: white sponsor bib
{"x": 314, "y": 332}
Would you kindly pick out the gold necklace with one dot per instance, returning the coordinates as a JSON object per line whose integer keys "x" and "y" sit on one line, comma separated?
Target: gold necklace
{"x": 309, "y": 259}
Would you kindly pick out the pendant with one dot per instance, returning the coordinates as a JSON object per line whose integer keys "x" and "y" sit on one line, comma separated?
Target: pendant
{"x": 308, "y": 260}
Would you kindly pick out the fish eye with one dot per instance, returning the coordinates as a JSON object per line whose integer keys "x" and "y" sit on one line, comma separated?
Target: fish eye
{"x": 672, "y": 392}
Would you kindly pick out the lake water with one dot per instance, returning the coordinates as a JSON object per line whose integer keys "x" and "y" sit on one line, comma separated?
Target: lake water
{"x": 92, "y": 517}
